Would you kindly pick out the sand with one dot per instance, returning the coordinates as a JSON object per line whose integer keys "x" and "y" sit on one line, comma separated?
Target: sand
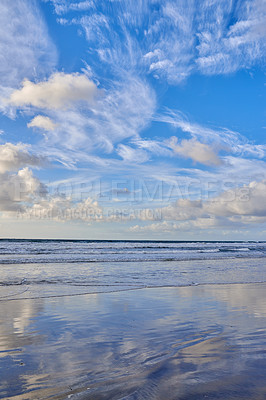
{"x": 199, "y": 342}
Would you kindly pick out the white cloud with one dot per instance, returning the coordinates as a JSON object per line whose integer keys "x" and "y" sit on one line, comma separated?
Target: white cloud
{"x": 63, "y": 209}
{"x": 126, "y": 109}
{"x": 25, "y": 45}
{"x": 236, "y": 207}
{"x": 81, "y": 6}
{"x": 225, "y": 47}
{"x": 196, "y": 226}
{"x": 60, "y": 91}
{"x": 155, "y": 227}
{"x": 23, "y": 193}
{"x": 16, "y": 190}
{"x": 117, "y": 114}
{"x": 168, "y": 47}
{"x": 13, "y": 157}
{"x": 95, "y": 27}
{"x": 153, "y": 146}
{"x": 217, "y": 138}
{"x": 132, "y": 155}
{"x": 42, "y": 122}
{"x": 172, "y": 40}
{"x": 195, "y": 150}
{"x": 248, "y": 200}
{"x": 74, "y": 135}
{"x": 64, "y": 6}
{"x": 221, "y": 137}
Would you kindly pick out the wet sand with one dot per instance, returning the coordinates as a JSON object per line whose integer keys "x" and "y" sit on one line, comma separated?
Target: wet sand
{"x": 186, "y": 343}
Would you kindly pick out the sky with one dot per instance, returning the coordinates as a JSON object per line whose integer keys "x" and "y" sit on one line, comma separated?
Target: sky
{"x": 133, "y": 119}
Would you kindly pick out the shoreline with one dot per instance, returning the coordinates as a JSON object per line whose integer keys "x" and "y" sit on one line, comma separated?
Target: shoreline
{"x": 5, "y": 298}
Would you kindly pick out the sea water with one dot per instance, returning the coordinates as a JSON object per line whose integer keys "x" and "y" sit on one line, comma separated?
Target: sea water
{"x": 117, "y": 320}
{"x": 43, "y": 268}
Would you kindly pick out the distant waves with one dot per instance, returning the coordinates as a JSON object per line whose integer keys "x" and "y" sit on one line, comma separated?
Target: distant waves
{"x": 57, "y": 251}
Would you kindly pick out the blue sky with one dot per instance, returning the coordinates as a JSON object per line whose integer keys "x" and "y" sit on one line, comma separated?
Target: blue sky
{"x": 133, "y": 119}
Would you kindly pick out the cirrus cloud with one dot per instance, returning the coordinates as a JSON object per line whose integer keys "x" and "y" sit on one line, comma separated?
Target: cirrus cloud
{"x": 25, "y": 44}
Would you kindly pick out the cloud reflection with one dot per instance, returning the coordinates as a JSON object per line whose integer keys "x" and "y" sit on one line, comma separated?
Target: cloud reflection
{"x": 151, "y": 343}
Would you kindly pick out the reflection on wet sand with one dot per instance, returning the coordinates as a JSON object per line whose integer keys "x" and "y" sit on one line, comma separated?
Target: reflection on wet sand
{"x": 249, "y": 298}
{"x": 164, "y": 343}
{"x": 15, "y": 320}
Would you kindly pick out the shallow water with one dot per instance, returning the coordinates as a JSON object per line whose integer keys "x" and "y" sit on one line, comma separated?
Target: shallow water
{"x": 163, "y": 343}
{"x": 41, "y": 268}
{"x": 44, "y": 280}
{"x": 132, "y": 320}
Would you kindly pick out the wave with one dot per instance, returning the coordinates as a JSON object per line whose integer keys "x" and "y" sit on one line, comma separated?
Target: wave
{"x": 14, "y": 261}
{"x": 54, "y": 251}
{"x": 51, "y": 268}
{"x": 28, "y": 282}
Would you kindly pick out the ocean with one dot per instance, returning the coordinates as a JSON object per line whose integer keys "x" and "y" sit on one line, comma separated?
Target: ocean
{"x": 132, "y": 320}
{"x": 43, "y": 268}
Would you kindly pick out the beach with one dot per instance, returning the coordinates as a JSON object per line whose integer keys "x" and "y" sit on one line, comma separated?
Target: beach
{"x": 159, "y": 343}
{"x": 132, "y": 320}
{"x": 132, "y": 200}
